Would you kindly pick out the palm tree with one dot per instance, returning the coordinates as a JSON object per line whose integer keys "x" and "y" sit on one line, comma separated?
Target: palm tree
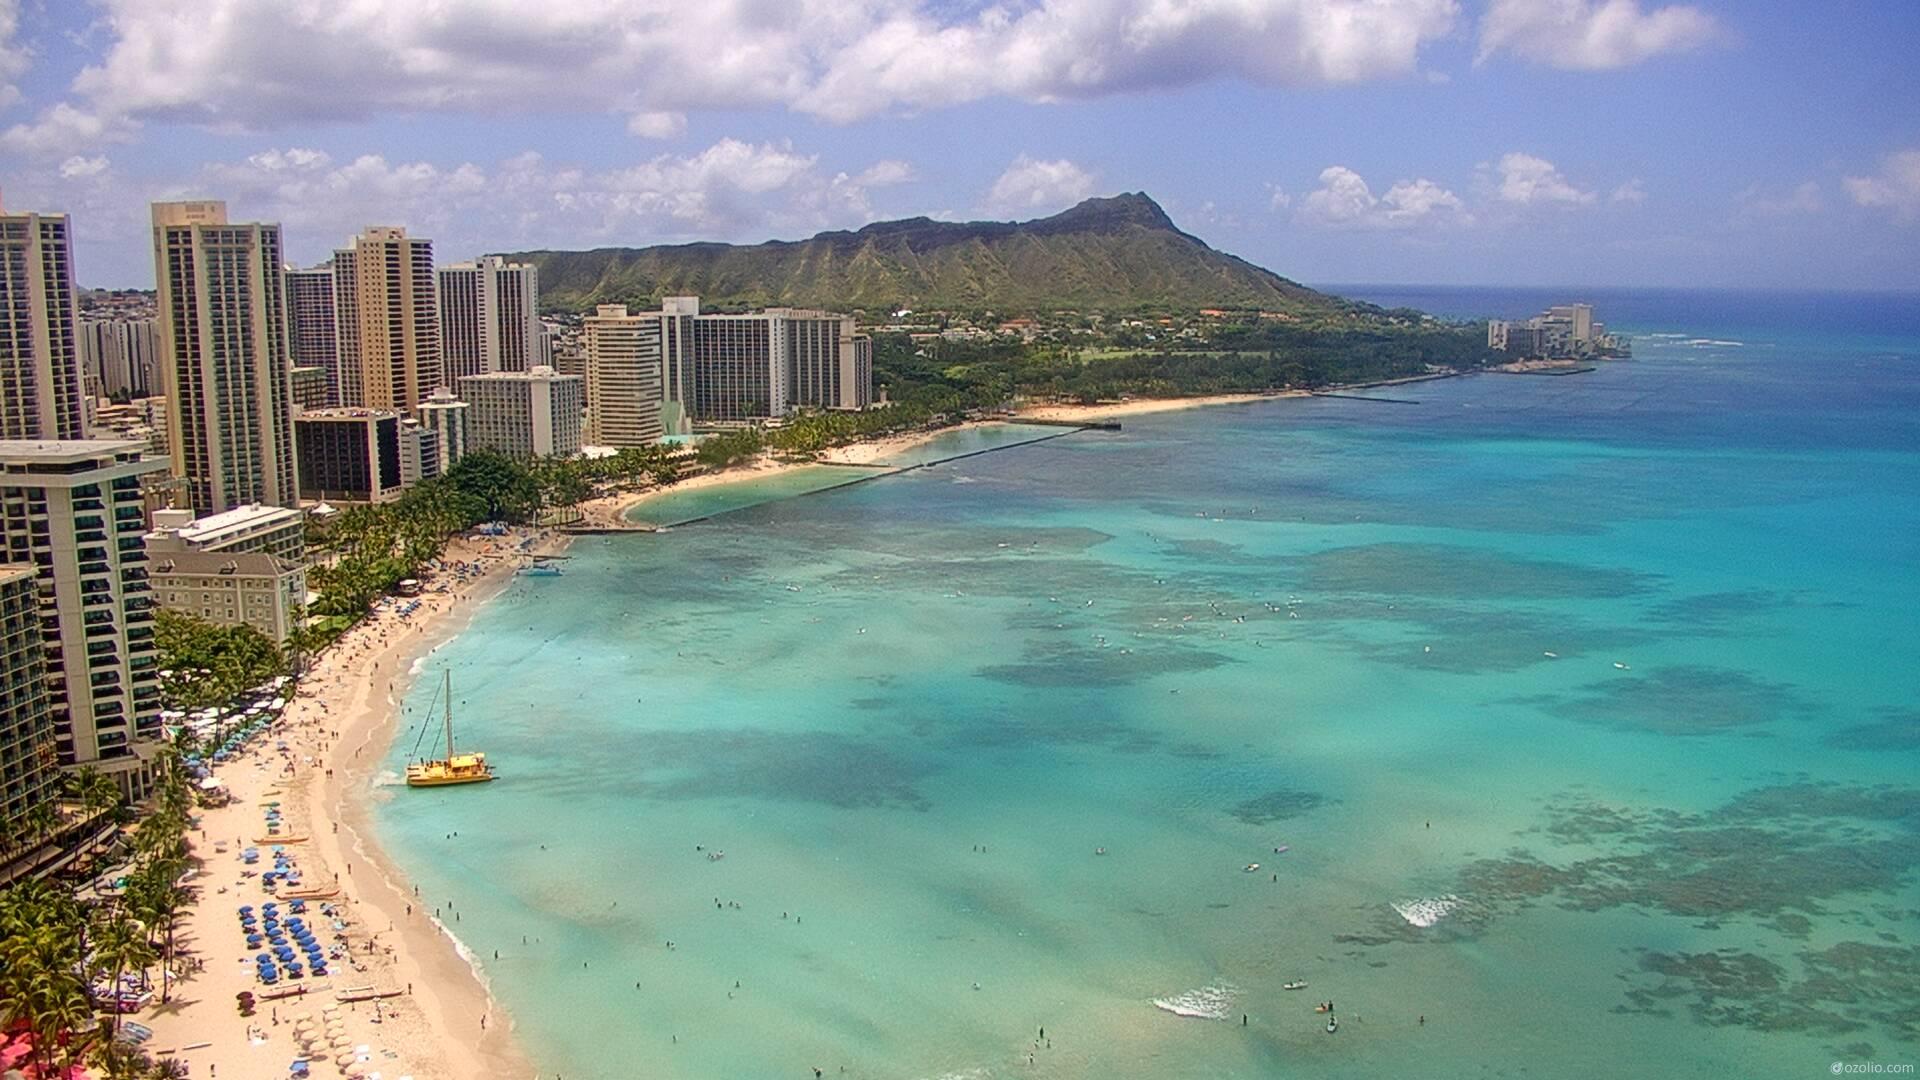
{"x": 118, "y": 1061}
{"x": 157, "y": 901}
{"x": 98, "y": 792}
{"x": 41, "y": 820}
{"x": 169, "y": 1069}
{"x": 119, "y": 946}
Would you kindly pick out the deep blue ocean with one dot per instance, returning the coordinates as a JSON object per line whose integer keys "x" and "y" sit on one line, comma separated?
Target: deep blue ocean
{"x": 1549, "y": 727}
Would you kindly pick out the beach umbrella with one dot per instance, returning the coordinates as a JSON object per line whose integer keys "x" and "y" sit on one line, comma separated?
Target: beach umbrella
{"x": 343, "y": 1060}
{"x": 354, "y": 1069}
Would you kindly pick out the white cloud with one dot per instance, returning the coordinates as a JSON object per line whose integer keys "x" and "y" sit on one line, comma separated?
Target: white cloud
{"x": 268, "y": 64}
{"x": 1633, "y": 191}
{"x": 1526, "y": 180}
{"x": 657, "y": 125}
{"x": 1277, "y": 197}
{"x": 1343, "y": 200}
{"x": 77, "y": 166}
{"x": 1591, "y": 35}
{"x": 1758, "y": 201}
{"x": 61, "y": 131}
{"x": 1896, "y": 186}
{"x": 15, "y": 58}
{"x": 886, "y": 174}
{"x": 731, "y": 190}
{"x": 1030, "y": 187}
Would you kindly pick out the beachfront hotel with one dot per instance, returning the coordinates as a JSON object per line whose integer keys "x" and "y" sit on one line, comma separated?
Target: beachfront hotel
{"x": 720, "y": 369}
{"x": 488, "y": 317}
{"x": 73, "y": 510}
{"x": 525, "y": 414}
{"x": 274, "y": 530}
{"x": 28, "y": 776}
{"x": 625, "y": 371}
{"x": 349, "y": 455}
{"x": 223, "y": 341}
{"x": 446, "y": 414}
{"x": 314, "y": 339}
{"x": 387, "y": 320}
{"x": 42, "y": 389}
{"x": 254, "y": 589}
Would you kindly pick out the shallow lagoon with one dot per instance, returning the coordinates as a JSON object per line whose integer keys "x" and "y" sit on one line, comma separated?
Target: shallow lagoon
{"x": 910, "y": 711}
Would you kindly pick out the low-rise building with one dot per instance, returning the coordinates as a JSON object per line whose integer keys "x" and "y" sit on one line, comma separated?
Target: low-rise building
{"x": 419, "y": 452}
{"x": 232, "y": 588}
{"x": 525, "y": 414}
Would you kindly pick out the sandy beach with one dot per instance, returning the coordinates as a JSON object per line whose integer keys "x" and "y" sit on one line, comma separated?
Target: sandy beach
{"x": 435, "y": 1018}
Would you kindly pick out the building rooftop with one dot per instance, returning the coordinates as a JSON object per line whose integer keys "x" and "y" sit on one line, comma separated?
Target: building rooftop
{"x": 12, "y": 572}
{"x": 66, "y": 450}
{"x": 215, "y": 527}
{"x": 345, "y": 412}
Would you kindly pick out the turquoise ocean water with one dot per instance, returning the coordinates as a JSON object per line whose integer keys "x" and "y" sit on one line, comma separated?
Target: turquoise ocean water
{"x": 909, "y": 712}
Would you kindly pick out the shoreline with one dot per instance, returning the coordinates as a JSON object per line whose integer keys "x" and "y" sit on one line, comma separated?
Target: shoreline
{"x": 612, "y": 513}
{"x": 441, "y": 1021}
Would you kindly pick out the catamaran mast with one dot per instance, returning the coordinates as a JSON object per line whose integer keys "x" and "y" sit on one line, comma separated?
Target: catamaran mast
{"x": 448, "y": 693}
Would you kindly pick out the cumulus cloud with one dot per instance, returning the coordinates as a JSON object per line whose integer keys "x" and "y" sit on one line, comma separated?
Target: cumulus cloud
{"x": 268, "y": 64}
{"x": 1526, "y": 180}
{"x": 1895, "y": 187}
{"x": 1633, "y": 191}
{"x": 1029, "y": 187}
{"x": 1759, "y": 201}
{"x": 731, "y": 190}
{"x": 77, "y": 166}
{"x": 1343, "y": 200}
{"x": 1591, "y": 35}
{"x": 60, "y": 131}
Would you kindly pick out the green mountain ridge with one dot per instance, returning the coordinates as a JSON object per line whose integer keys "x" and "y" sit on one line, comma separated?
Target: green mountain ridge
{"x": 1118, "y": 254}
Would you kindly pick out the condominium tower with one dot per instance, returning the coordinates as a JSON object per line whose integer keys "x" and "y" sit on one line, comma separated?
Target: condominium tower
{"x": 42, "y": 388}
{"x": 223, "y": 342}
{"x": 73, "y": 510}
{"x": 624, "y": 370}
{"x": 314, "y": 338}
{"x": 488, "y": 317}
{"x": 389, "y": 331}
{"x": 121, "y": 356}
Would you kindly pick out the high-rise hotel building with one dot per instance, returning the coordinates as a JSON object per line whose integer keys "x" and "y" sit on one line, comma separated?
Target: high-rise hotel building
{"x": 42, "y": 385}
{"x": 489, "y": 319}
{"x": 314, "y": 339}
{"x": 732, "y": 369}
{"x": 223, "y": 340}
{"x": 73, "y": 511}
{"x": 624, "y": 370}
{"x": 28, "y": 773}
{"x": 389, "y": 327}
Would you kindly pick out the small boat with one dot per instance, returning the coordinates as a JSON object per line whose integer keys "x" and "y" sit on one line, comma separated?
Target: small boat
{"x": 454, "y": 768}
{"x": 1251, "y": 867}
{"x": 1301, "y": 985}
{"x": 1332, "y": 1025}
{"x": 1551, "y": 655}
{"x": 1621, "y": 666}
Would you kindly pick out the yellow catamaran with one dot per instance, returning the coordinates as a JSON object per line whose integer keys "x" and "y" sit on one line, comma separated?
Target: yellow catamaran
{"x": 454, "y": 768}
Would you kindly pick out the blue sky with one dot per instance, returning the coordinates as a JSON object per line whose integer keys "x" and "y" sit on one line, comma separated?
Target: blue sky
{"x": 1589, "y": 142}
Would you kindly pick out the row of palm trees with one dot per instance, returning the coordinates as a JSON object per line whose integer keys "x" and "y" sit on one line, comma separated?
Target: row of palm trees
{"x": 57, "y": 948}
